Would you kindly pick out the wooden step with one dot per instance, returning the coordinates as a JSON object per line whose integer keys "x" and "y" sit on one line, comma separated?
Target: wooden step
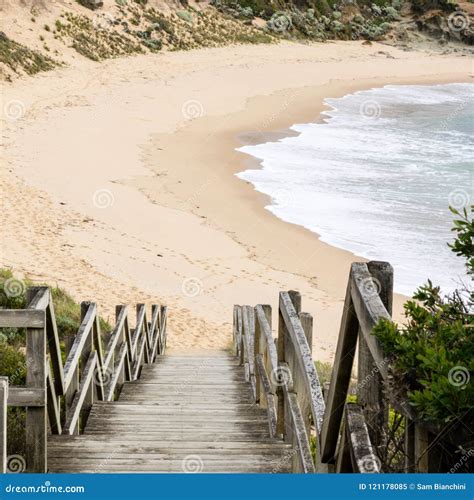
{"x": 195, "y": 409}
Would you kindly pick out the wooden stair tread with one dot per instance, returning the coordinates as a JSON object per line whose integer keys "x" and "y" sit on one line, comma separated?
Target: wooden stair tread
{"x": 181, "y": 407}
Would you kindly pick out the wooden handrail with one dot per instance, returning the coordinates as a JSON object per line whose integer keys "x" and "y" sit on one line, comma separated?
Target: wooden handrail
{"x": 65, "y": 393}
{"x": 304, "y": 359}
{"x": 3, "y": 423}
{"x": 287, "y": 383}
{"x": 276, "y": 372}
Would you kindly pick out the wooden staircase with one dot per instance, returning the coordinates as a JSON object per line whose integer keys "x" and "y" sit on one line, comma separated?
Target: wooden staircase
{"x": 184, "y": 414}
{"x": 119, "y": 404}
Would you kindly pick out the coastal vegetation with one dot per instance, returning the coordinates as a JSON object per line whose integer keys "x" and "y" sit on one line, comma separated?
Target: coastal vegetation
{"x": 133, "y": 27}
{"x": 432, "y": 355}
{"x": 19, "y": 58}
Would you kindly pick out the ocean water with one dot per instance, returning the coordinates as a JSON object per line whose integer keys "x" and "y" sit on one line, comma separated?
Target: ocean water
{"x": 376, "y": 177}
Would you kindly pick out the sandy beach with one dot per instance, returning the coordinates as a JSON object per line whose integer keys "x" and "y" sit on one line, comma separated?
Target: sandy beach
{"x": 117, "y": 179}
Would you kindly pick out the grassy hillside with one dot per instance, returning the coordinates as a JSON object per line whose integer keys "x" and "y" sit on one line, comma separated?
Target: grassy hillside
{"x": 42, "y": 36}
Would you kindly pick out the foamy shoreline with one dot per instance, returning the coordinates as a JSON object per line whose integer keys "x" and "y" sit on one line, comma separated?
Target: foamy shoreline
{"x": 120, "y": 128}
{"x": 325, "y": 154}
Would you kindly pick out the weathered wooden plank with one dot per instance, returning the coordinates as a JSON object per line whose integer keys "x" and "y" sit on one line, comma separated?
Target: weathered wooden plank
{"x": 240, "y": 335}
{"x": 267, "y": 395}
{"x": 53, "y": 404}
{"x": 363, "y": 457}
{"x": 306, "y": 321}
{"x": 409, "y": 446}
{"x": 343, "y": 456}
{"x": 117, "y": 370}
{"x": 301, "y": 444}
{"x": 235, "y": 331}
{"x": 421, "y": 448}
{"x": 340, "y": 378}
{"x": 76, "y": 407}
{"x": 3, "y": 423}
{"x": 163, "y": 330}
{"x": 140, "y": 351}
{"x": 370, "y": 386}
{"x": 22, "y": 318}
{"x": 26, "y": 396}
{"x": 303, "y": 354}
{"x": 248, "y": 337}
{"x": 369, "y": 310}
{"x": 36, "y": 417}
{"x": 115, "y": 337}
{"x": 59, "y": 444}
{"x": 141, "y": 311}
{"x": 88, "y": 347}
{"x": 38, "y": 297}
{"x": 155, "y": 332}
{"x": 54, "y": 349}
{"x": 85, "y": 331}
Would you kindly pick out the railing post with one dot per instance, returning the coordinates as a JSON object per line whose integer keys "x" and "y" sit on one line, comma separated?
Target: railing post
{"x": 256, "y": 351}
{"x": 36, "y": 417}
{"x": 282, "y": 334}
{"x": 296, "y": 300}
{"x": 283, "y": 338}
{"x": 409, "y": 445}
{"x": 86, "y": 352}
{"x": 370, "y": 393}
{"x": 3, "y": 422}
{"x": 307, "y": 323}
{"x": 260, "y": 344}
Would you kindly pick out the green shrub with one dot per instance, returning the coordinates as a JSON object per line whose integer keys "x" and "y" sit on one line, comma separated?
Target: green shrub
{"x": 20, "y": 58}
{"x": 12, "y": 364}
{"x": 432, "y": 355}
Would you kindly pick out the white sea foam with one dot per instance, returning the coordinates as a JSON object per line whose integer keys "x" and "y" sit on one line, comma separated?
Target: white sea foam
{"x": 377, "y": 177}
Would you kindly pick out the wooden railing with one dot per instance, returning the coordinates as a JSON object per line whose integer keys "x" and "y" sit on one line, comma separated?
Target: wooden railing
{"x": 346, "y": 437}
{"x": 58, "y": 397}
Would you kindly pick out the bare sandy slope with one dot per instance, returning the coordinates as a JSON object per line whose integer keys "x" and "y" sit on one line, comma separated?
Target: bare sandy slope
{"x": 117, "y": 180}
